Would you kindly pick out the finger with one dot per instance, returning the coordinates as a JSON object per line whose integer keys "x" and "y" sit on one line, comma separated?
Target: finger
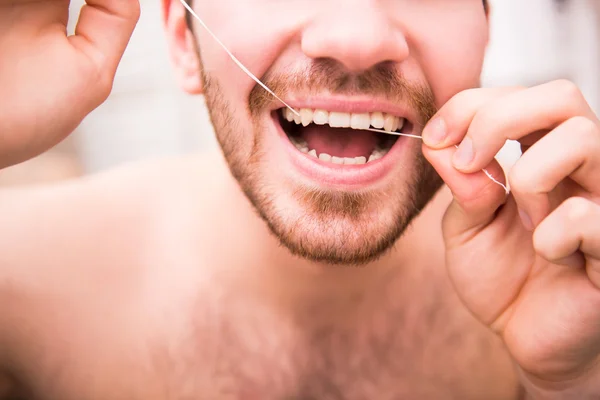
{"x": 515, "y": 116}
{"x": 103, "y": 32}
{"x": 571, "y": 150}
{"x": 573, "y": 227}
{"x": 476, "y": 196}
{"x": 450, "y": 123}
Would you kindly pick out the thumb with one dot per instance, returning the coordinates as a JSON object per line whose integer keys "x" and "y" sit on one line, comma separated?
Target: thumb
{"x": 476, "y": 197}
{"x": 104, "y": 29}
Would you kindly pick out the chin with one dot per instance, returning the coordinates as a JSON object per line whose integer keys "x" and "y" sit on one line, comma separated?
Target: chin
{"x": 335, "y": 214}
{"x": 335, "y": 228}
{"x": 330, "y": 190}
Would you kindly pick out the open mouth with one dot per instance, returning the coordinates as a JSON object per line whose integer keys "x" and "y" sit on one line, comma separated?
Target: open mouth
{"x": 342, "y": 138}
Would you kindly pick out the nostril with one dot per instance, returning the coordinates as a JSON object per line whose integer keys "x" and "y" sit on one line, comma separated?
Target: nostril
{"x": 356, "y": 54}
{"x": 376, "y": 39}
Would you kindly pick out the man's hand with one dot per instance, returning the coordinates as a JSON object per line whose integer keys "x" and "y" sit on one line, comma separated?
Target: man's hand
{"x": 527, "y": 265}
{"x": 48, "y": 81}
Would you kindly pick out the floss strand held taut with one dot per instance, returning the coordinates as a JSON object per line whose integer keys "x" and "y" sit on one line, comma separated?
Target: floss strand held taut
{"x": 258, "y": 81}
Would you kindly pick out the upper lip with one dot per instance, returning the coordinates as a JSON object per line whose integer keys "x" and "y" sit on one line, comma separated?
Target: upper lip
{"x": 350, "y": 104}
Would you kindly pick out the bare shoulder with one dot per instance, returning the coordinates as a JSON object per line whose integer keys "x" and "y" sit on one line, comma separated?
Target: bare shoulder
{"x": 123, "y": 217}
{"x": 111, "y": 245}
{"x": 95, "y": 210}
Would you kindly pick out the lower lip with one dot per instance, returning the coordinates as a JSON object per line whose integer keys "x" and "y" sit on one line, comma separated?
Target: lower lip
{"x": 341, "y": 176}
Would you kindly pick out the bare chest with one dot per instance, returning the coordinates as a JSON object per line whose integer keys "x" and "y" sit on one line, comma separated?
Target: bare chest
{"x": 234, "y": 349}
{"x": 386, "y": 355}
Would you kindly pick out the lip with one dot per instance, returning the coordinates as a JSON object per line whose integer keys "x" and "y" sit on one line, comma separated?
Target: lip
{"x": 345, "y": 177}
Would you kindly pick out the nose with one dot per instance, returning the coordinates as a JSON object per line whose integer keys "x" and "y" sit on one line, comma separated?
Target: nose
{"x": 358, "y": 34}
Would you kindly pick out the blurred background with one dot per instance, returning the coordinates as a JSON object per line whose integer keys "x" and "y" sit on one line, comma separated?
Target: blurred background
{"x": 532, "y": 41}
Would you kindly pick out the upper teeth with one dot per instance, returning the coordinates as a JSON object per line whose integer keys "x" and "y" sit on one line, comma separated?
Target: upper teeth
{"x": 377, "y": 120}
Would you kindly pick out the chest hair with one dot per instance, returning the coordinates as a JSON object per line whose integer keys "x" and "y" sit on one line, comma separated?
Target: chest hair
{"x": 390, "y": 349}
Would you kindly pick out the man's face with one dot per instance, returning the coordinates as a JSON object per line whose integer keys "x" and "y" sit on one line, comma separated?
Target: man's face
{"x": 329, "y": 190}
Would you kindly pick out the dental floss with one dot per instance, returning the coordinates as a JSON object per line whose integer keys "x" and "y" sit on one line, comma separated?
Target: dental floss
{"x": 485, "y": 171}
{"x": 394, "y": 133}
{"x": 506, "y": 189}
{"x": 234, "y": 58}
{"x": 255, "y": 79}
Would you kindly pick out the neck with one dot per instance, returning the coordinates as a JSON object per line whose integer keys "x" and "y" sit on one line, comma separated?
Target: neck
{"x": 264, "y": 269}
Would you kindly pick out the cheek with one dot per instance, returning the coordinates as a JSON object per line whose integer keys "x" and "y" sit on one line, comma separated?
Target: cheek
{"x": 256, "y": 33}
{"x": 452, "y": 56}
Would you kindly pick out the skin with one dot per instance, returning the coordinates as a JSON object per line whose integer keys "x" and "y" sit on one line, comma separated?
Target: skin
{"x": 302, "y": 44}
{"x": 159, "y": 280}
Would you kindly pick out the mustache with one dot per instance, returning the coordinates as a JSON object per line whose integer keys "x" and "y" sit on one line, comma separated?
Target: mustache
{"x": 382, "y": 80}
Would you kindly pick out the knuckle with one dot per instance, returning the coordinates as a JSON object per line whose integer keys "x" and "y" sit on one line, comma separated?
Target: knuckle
{"x": 588, "y": 135}
{"x": 103, "y": 85}
{"x": 544, "y": 241}
{"x": 521, "y": 181}
{"x": 578, "y": 209}
{"x": 136, "y": 10}
{"x": 539, "y": 241}
{"x": 586, "y": 132}
{"x": 579, "y": 139}
{"x": 99, "y": 75}
{"x": 568, "y": 90}
{"x": 451, "y": 111}
{"x": 584, "y": 135}
{"x": 466, "y": 94}
{"x": 486, "y": 117}
{"x": 458, "y": 101}
{"x": 583, "y": 125}
{"x": 96, "y": 82}
{"x": 129, "y": 9}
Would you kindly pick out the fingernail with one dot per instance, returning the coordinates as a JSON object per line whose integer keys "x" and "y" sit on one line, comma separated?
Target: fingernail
{"x": 435, "y": 133}
{"x": 465, "y": 154}
{"x": 525, "y": 220}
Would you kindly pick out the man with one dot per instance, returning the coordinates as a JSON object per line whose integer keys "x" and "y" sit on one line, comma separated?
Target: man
{"x": 314, "y": 260}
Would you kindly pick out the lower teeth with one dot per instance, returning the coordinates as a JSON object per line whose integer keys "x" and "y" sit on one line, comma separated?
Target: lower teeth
{"x": 302, "y": 146}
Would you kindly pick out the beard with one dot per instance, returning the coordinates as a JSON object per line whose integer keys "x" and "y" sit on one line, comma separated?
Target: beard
{"x": 324, "y": 225}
